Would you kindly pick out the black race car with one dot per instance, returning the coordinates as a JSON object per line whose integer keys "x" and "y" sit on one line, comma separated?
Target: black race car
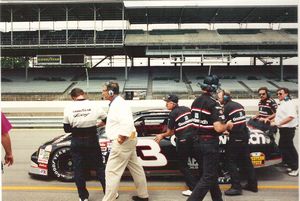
{"x": 53, "y": 158}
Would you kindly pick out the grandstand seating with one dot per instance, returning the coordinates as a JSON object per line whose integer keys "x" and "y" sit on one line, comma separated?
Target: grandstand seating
{"x": 51, "y": 37}
{"x": 34, "y": 87}
{"x": 81, "y": 37}
{"x": 242, "y": 81}
{"x": 137, "y": 79}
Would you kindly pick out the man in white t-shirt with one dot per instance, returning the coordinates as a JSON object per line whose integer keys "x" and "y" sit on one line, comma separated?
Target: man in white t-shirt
{"x": 80, "y": 118}
{"x": 286, "y": 120}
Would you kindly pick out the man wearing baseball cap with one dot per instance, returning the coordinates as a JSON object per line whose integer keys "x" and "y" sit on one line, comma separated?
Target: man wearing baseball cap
{"x": 179, "y": 123}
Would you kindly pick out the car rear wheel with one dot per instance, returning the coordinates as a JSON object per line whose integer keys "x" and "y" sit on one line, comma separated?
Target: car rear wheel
{"x": 61, "y": 165}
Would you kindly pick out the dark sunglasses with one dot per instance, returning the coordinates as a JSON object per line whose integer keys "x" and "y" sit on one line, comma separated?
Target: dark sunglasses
{"x": 279, "y": 94}
{"x": 262, "y": 94}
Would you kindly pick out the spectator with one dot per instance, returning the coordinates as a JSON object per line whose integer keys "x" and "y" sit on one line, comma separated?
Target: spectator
{"x": 120, "y": 129}
{"x": 209, "y": 123}
{"x": 237, "y": 148}
{"x": 286, "y": 120}
{"x": 5, "y": 140}
{"x": 80, "y": 118}
{"x": 179, "y": 123}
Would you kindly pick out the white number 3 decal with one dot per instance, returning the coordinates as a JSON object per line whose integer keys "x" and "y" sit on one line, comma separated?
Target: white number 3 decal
{"x": 149, "y": 153}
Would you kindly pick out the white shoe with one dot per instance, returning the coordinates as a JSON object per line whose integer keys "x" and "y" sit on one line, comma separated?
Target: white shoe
{"x": 186, "y": 193}
{"x": 117, "y": 195}
{"x": 289, "y": 169}
{"x": 294, "y": 173}
{"x": 84, "y": 199}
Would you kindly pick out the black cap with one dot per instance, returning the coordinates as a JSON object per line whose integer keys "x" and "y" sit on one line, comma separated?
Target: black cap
{"x": 172, "y": 98}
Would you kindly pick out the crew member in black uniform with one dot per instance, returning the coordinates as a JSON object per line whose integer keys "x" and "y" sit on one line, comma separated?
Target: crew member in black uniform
{"x": 80, "y": 118}
{"x": 208, "y": 120}
{"x": 179, "y": 123}
{"x": 267, "y": 107}
{"x": 237, "y": 148}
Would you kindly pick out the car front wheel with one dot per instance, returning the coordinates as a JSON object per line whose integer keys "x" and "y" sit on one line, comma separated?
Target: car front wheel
{"x": 61, "y": 165}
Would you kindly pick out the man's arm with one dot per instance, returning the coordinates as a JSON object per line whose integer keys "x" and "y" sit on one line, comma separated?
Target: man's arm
{"x": 67, "y": 128}
{"x": 220, "y": 127}
{"x": 6, "y": 143}
{"x": 284, "y": 121}
{"x": 161, "y": 136}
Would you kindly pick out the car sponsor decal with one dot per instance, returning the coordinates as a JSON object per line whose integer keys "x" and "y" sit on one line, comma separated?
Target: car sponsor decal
{"x": 255, "y": 138}
{"x": 43, "y": 156}
{"x": 192, "y": 163}
{"x": 258, "y": 158}
{"x": 43, "y": 172}
{"x": 43, "y": 166}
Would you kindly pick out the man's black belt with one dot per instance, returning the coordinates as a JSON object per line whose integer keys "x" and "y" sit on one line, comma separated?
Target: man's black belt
{"x": 84, "y": 132}
{"x": 207, "y": 137}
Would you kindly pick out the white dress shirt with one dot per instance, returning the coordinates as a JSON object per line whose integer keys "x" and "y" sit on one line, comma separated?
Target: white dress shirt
{"x": 286, "y": 109}
{"x": 119, "y": 119}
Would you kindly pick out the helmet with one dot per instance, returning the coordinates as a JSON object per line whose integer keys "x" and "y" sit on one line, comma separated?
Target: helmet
{"x": 210, "y": 83}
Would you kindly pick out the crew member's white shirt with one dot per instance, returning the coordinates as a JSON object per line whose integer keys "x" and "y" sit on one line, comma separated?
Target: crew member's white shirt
{"x": 286, "y": 109}
{"x": 83, "y": 114}
{"x": 119, "y": 119}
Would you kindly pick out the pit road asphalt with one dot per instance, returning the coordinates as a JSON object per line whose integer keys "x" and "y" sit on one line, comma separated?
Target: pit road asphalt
{"x": 17, "y": 185}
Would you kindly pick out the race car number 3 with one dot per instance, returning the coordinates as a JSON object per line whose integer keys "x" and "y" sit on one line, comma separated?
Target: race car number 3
{"x": 149, "y": 153}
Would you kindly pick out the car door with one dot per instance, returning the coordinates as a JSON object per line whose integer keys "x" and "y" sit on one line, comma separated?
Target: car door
{"x": 155, "y": 158}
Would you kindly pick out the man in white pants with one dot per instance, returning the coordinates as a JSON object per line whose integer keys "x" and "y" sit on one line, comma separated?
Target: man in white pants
{"x": 120, "y": 129}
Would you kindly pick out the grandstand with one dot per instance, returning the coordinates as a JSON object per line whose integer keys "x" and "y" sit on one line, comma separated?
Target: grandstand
{"x": 53, "y": 82}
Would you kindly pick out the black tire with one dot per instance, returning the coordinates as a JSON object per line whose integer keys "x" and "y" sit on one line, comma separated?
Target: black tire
{"x": 61, "y": 165}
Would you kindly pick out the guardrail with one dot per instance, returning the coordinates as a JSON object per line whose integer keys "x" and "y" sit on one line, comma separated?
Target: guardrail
{"x": 36, "y": 122}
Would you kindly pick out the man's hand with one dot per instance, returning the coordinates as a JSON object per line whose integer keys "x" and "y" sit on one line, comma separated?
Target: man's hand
{"x": 225, "y": 133}
{"x": 229, "y": 125}
{"x": 274, "y": 124}
{"x": 158, "y": 138}
{"x": 121, "y": 139}
{"x": 100, "y": 124}
{"x": 8, "y": 159}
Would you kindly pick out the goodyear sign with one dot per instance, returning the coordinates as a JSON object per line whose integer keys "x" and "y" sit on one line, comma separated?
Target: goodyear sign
{"x": 48, "y": 59}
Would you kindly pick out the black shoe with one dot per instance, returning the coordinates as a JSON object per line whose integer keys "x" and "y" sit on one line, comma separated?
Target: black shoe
{"x": 233, "y": 191}
{"x": 248, "y": 187}
{"x": 137, "y": 198}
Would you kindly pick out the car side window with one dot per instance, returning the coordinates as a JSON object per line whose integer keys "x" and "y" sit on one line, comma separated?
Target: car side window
{"x": 150, "y": 126}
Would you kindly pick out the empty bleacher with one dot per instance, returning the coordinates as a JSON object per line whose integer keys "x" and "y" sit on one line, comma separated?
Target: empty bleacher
{"x": 55, "y": 83}
{"x": 166, "y": 80}
{"x": 137, "y": 79}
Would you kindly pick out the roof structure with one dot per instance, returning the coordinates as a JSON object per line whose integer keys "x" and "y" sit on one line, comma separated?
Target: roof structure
{"x": 243, "y": 42}
{"x": 112, "y": 10}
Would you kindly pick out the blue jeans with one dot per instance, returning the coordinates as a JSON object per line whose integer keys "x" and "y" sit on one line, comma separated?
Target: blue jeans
{"x": 86, "y": 151}
{"x": 207, "y": 152}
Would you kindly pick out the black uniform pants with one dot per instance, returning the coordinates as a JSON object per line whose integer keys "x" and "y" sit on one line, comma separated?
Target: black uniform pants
{"x": 238, "y": 156}
{"x": 207, "y": 151}
{"x": 287, "y": 148}
{"x": 86, "y": 153}
{"x": 184, "y": 147}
